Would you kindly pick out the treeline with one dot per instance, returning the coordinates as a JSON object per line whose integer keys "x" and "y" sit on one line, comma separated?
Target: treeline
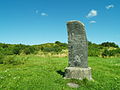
{"x": 52, "y": 47}
{"x": 106, "y": 49}
{"x": 16, "y": 49}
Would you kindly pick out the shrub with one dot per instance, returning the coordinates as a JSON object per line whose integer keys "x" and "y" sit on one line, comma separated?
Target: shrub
{"x": 1, "y": 58}
{"x": 55, "y": 48}
{"x": 93, "y": 49}
{"x": 58, "y": 42}
{"x": 29, "y": 50}
{"x": 105, "y": 53}
{"x": 62, "y": 45}
{"x": 109, "y": 44}
{"x": 8, "y": 51}
{"x": 109, "y": 53}
{"x": 16, "y": 49}
{"x": 3, "y": 45}
{"x": 14, "y": 60}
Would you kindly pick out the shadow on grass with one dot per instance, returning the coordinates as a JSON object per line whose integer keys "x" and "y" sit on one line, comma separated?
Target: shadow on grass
{"x": 61, "y": 73}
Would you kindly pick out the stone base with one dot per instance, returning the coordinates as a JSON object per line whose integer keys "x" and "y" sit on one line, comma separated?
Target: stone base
{"x": 78, "y": 73}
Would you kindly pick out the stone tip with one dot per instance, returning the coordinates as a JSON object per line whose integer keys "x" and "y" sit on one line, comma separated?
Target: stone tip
{"x": 75, "y": 21}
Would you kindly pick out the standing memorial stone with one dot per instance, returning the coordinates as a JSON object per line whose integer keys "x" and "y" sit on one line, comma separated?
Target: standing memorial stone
{"x": 78, "y": 52}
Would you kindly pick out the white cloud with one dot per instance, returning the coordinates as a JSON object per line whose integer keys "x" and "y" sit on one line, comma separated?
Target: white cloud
{"x": 36, "y": 11}
{"x": 44, "y": 14}
{"x": 92, "y": 21}
{"x": 92, "y": 13}
{"x": 110, "y": 6}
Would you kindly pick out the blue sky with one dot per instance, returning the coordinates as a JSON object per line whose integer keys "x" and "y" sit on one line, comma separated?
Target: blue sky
{"x": 41, "y": 21}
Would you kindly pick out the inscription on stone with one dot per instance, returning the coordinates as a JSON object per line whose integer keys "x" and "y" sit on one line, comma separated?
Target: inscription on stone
{"x": 77, "y": 45}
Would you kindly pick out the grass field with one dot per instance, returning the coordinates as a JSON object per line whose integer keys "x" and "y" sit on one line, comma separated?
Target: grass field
{"x": 41, "y": 73}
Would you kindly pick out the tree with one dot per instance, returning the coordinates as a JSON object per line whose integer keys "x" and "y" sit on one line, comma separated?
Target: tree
{"x": 58, "y": 42}
{"x": 109, "y": 44}
{"x": 62, "y": 45}
{"x": 29, "y": 50}
{"x": 105, "y": 53}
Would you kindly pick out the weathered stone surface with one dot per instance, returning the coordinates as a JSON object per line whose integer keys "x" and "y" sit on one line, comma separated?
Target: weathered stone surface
{"x": 77, "y": 44}
{"x": 78, "y": 73}
{"x": 73, "y": 85}
{"x": 78, "y": 52}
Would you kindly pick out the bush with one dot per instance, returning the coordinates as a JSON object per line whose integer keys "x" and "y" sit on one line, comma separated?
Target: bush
{"x": 55, "y": 48}
{"x": 29, "y": 50}
{"x": 93, "y": 49}
{"x": 62, "y": 45}
{"x": 3, "y": 45}
{"x": 109, "y": 44}
{"x": 105, "y": 53}
{"x": 14, "y": 60}
{"x": 8, "y": 51}
{"x": 109, "y": 53}
{"x": 1, "y": 58}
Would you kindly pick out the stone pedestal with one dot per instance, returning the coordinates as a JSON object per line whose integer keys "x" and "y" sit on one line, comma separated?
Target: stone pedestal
{"x": 78, "y": 73}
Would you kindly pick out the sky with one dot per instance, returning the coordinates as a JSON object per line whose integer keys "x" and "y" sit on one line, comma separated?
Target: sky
{"x": 41, "y": 21}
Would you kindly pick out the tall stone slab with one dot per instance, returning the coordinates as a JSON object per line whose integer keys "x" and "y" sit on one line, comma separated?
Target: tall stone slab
{"x": 77, "y": 44}
{"x": 78, "y": 52}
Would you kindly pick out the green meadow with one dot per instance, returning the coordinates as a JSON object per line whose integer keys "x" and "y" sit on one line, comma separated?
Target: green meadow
{"x": 46, "y": 73}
